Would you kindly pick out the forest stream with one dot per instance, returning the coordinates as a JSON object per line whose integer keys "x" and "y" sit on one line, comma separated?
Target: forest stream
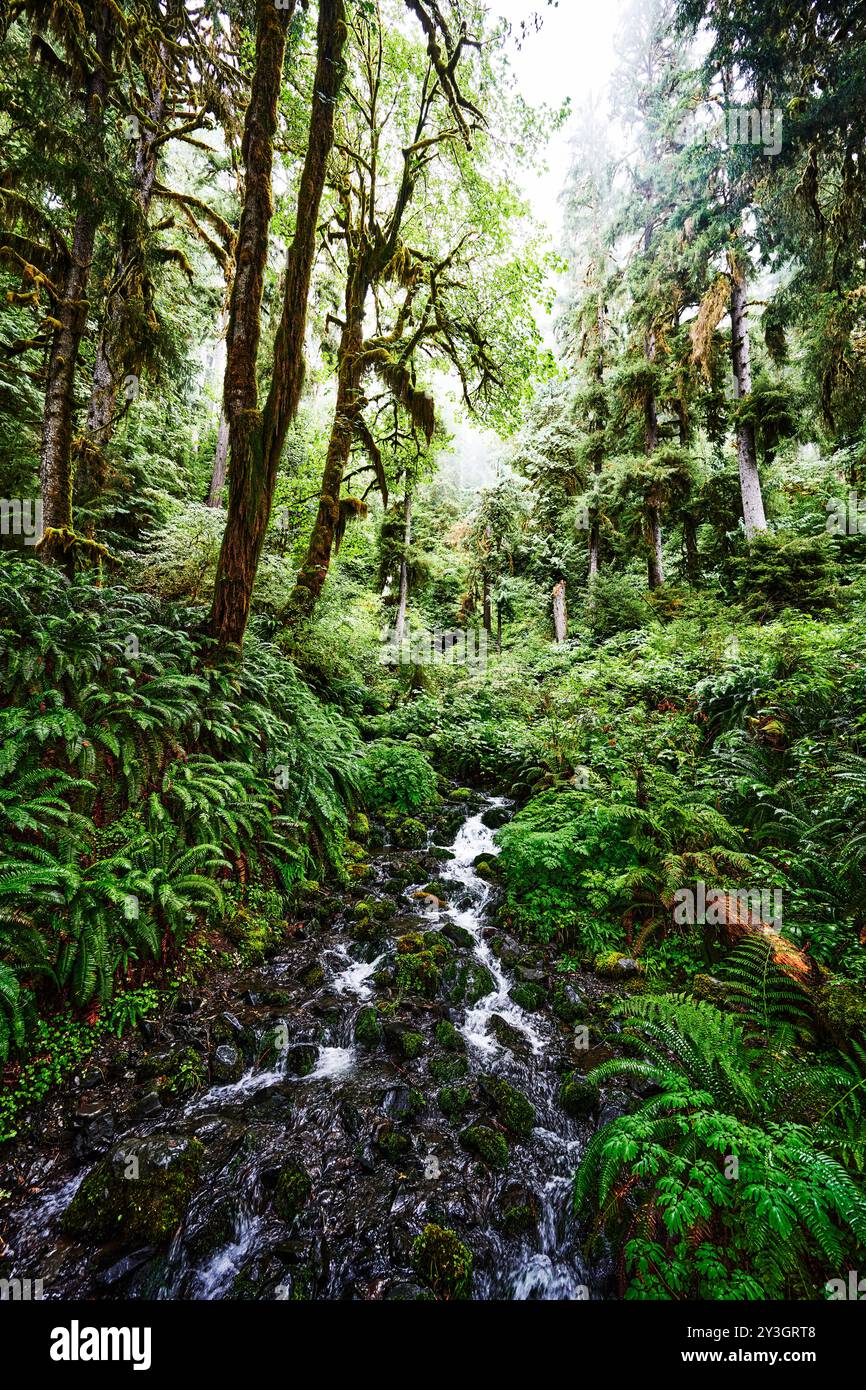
{"x": 342, "y": 1131}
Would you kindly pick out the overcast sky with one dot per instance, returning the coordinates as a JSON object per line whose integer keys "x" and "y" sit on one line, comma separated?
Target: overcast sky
{"x": 571, "y": 56}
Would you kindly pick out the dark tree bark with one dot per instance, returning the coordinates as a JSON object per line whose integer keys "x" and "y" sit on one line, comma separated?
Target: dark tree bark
{"x": 256, "y": 438}
{"x": 55, "y": 459}
{"x": 403, "y": 601}
{"x": 314, "y": 571}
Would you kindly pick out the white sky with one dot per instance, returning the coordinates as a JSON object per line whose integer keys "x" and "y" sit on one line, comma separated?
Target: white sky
{"x": 570, "y": 56}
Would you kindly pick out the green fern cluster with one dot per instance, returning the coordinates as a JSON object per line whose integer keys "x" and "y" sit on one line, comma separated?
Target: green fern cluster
{"x": 734, "y": 1175}
{"x": 138, "y": 773}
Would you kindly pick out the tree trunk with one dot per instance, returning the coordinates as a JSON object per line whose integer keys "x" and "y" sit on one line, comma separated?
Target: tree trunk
{"x": 256, "y": 440}
{"x": 652, "y": 508}
{"x": 55, "y": 459}
{"x": 655, "y": 562}
{"x": 750, "y": 481}
{"x": 690, "y": 540}
{"x": 112, "y": 362}
{"x": 218, "y": 477}
{"x": 314, "y": 571}
{"x": 402, "y": 606}
{"x": 560, "y": 613}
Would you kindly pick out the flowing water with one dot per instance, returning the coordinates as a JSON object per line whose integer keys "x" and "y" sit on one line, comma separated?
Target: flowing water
{"x": 353, "y": 1239}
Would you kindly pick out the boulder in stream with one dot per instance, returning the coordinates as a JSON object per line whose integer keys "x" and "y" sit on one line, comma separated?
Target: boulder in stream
{"x": 139, "y": 1193}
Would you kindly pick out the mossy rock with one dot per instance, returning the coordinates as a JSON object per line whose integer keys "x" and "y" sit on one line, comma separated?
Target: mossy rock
{"x": 359, "y": 872}
{"x": 489, "y": 1145}
{"x": 463, "y": 794}
{"x": 458, "y": 935}
{"x": 613, "y": 965}
{"x": 419, "y": 974}
{"x": 842, "y": 1010}
{"x": 709, "y": 988}
{"x": 292, "y": 1192}
{"x": 496, "y": 817}
{"x": 577, "y": 1096}
{"x": 368, "y": 930}
{"x": 486, "y": 869}
{"x": 368, "y": 1028}
{"x": 448, "y": 1037}
{"x": 139, "y": 1193}
{"x": 450, "y": 1068}
{"x": 528, "y": 995}
{"x": 466, "y": 981}
{"x": 410, "y": 834}
{"x": 513, "y": 1108}
{"x": 454, "y": 1100}
{"x": 518, "y": 1220}
{"x": 443, "y": 1262}
{"x": 393, "y": 1144}
{"x": 567, "y": 1006}
{"x": 360, "y": 826}
{"x": 412, "y": 1044}
{"x": 508, "y": 1036}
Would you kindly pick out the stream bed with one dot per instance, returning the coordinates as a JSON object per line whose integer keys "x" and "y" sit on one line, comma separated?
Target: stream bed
{"x": 376, "y": 1076}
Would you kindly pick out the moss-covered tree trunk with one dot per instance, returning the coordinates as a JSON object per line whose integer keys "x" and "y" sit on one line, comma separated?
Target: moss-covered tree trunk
{"x": 403, "y": 601}
{"x": 314, "y": 571}
{"x": 652, "y": 506}
{"x": 70, "y": 313}
{"x": 256, "y": 439}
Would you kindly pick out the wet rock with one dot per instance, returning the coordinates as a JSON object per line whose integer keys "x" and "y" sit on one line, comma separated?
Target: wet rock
{"x": 458, "y": 935}
{"x": 189, "y": 1003}
{"x": 121, "y": 1269}
{"x": 489, "y": 1145}
{"x": 513, "y": 1109}
{"x": 613, "y": 966}
{"x": 577, "y": 1096}
{"x": 403, "y": 1291}
{"x": 149, "y": 1105}
{"x": 443, "y": 1262}
{"x": 403, "y": 1102}
{"x": 93, "y": 1123}
{"x": 292, "y": 1191}
{"x": 517, "y": 1210}
{"x": 227, "y": 1027}
{"x": 226, "y": 1064}
{"x": 496, "y": 816}
{"x": 393, "y": 1143}
{"x": 301, "y": 1058}
{"x": 368, "y": 1028}
{"x": 508, "y": 1036}
{"x": 140, "y": 1192}
{"x": 528, "y": 996}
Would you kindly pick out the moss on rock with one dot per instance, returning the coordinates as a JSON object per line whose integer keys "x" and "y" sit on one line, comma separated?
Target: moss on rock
{"x": 292, "y": 1191}
{"x": 139, "y": 1192}
{"x": 513, "y": 1108}
{"x": 490, "y": 1146}
{"x": 443, "y": 1262}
